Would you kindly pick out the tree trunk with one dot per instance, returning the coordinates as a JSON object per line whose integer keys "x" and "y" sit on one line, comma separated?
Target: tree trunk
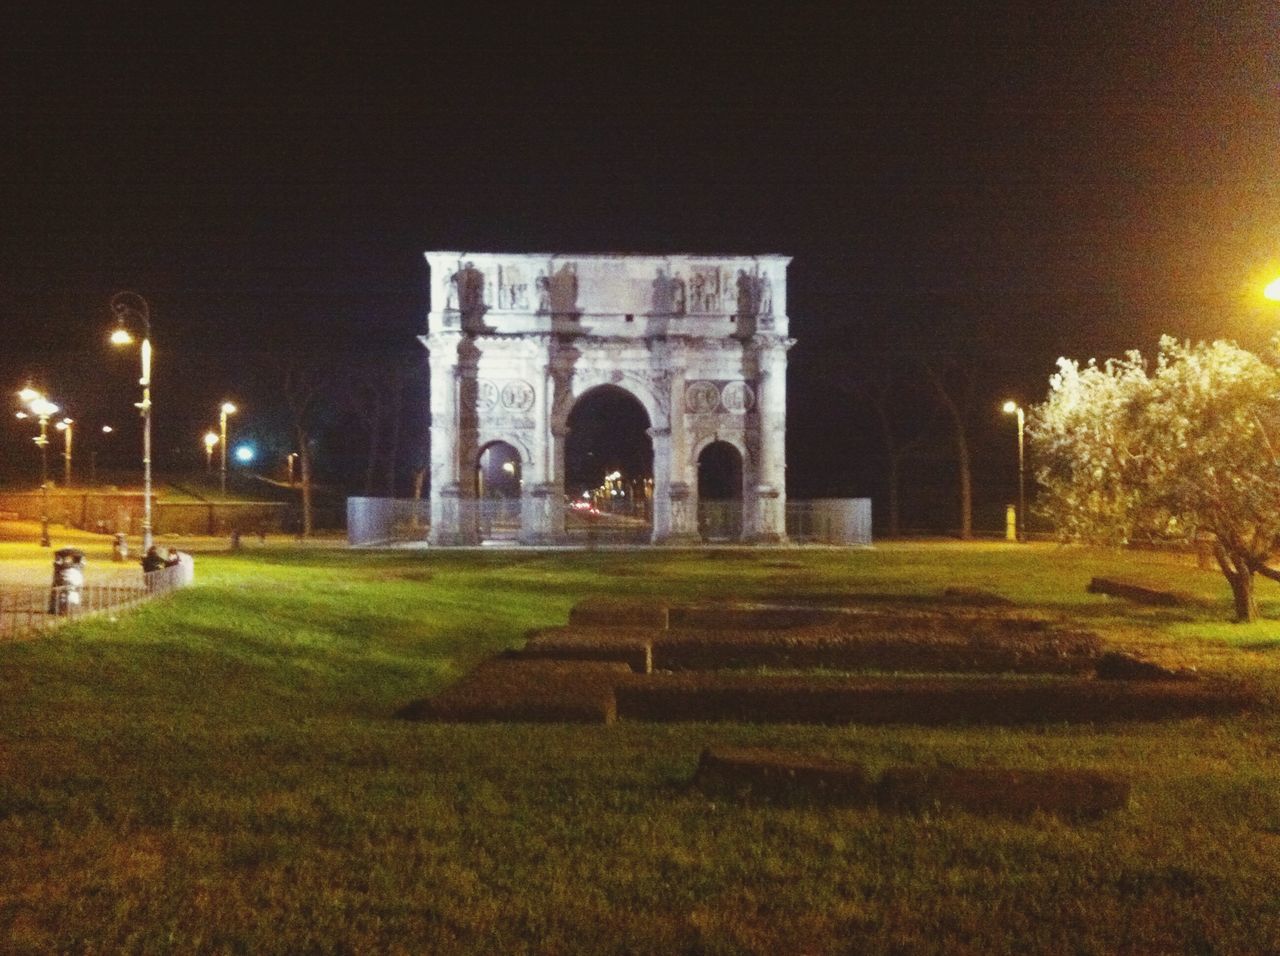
{"x": 1245, "y": 599}
{"x": 393, "y": 446}
{"x": 895, "y": 512}
{"x": 966, "y": 484}
{"x": 1239, "y": 574}
{"x": 956, "y": 412}
{"x": 304, "y": 464}
{"x": 375, "y": 452}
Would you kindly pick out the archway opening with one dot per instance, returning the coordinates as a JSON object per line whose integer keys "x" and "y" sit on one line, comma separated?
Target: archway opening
{"x": 609, "y": 467}
{"x": 498, "y": 491}
{"x": 720, "y": 492}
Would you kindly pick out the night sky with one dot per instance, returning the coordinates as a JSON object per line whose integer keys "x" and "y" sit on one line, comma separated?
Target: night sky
{"x": 1011, "y": 181}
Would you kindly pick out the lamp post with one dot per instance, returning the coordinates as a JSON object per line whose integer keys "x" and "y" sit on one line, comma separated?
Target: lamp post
{"x": 227, "y": 409}
{"x": 210, "y": 440}
{"x": 66, "y": 427}
{"x": 126, "y": 306}
{"x": 1013, "y": 408}
{"x": 292, "y": 460}
{"x": 43, "y": 409}
{"x": 93, "y": 457}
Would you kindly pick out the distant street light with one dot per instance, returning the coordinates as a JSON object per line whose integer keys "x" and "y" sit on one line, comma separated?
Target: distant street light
{"x": 210, "y": 439}
{"x": 227, "y": 409}
{"x": 126, "y": 307}
{"x": 66, "y": 427}
{"x": 1272, "y": 291}
{"x": 1013, "y": 408}
{"x": 292, "y": 459}
{"x": 43, "y": 410}
{"x": 93, "y": 457}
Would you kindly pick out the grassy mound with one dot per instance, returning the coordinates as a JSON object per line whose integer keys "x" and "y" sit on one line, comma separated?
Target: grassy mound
{"x": 1071, "y": 794}
{"x": 781, "y": 776}
{"x": 932, "y": 701}
{"x": 520, "y": 690}
{"x": 619, "y": 612}
{"x": 886, "y": 642}
{"x": 755, "y": 772}
{"x": 631, "y": 645}
{"x": 1140, "y": 593}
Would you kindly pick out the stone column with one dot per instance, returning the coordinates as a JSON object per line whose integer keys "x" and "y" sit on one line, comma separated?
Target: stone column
{"x": 770, "y": 506}
{"x": 453, "y": 440}
{"x": 542, "y": 497}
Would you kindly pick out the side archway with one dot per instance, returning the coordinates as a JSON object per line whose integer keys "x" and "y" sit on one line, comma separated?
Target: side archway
{"x": 498, "y": 484}
{"x": 720, "y": 492}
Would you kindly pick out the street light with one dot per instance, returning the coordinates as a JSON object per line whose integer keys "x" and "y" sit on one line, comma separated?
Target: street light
{"x": 93, "y": 457}
{"x": 1013, "y": 408}
{"x": 127, "y": 306}
{"x": 43, "y": 409}
{"x": 65, "y": 426}
{"x": 210, "y": 439}
{"x": 1272, "y": 291}
{"x": 227, "y": 409}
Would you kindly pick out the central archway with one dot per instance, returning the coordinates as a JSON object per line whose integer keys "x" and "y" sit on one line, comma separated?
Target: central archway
{"x": 608, "y": 467}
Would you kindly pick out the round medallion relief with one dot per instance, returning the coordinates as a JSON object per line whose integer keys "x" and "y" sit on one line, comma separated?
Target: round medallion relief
{"x": 517, "y": 396}
{"x": 701, "y": 397}
{"x": 488, "y": 395}
{"x": 737, "y": 397}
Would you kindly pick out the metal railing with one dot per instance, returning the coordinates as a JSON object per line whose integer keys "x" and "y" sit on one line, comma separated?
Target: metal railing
{"x": 31, "y": 610}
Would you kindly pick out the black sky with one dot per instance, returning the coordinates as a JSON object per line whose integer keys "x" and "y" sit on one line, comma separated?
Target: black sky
{"x": 1045, "y": 178}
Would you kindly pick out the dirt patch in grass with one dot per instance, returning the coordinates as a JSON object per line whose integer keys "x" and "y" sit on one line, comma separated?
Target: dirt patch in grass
{"x": 506, "y": 689}
{"x": 631, "y": 645}
{"x": 929, "y": 701}
{"x": 784, "y": 777}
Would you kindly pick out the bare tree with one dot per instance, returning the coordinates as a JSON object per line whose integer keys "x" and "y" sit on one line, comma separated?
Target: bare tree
{"x": 305, "y": 382}
{"x": 953, "y": 385}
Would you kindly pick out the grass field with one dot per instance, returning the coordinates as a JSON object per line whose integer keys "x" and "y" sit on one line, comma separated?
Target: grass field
{"x": 219, "y": 772}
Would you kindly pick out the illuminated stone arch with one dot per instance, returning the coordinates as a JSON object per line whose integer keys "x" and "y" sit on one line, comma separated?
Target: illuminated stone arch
{"x": 516, "y": 340}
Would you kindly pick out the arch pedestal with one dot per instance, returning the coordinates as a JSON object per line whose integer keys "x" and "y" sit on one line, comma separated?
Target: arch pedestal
{"x": 516, "y": 340}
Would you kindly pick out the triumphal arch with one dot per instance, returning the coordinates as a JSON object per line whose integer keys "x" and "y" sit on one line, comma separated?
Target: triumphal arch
{"x": 517, "y": 340}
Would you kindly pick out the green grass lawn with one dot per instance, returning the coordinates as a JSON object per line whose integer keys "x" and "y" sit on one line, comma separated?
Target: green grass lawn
{"x": 220, "y": 772}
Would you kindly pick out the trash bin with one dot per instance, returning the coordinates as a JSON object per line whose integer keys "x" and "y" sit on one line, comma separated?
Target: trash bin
{"x": 68, "y": 579}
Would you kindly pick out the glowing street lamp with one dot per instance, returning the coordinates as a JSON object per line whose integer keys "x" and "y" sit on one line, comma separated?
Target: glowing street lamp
{"x": 43, "y": 410}
{"x": 1272, "y": 291}
{"x": 130, "y": 307}
{"x": 65, "y": 426}
{"x": 93, "y": 457}
{"x": 1013, "y": 408}
{"x": 210, "y": 440}
{"x": 226, "y": 409}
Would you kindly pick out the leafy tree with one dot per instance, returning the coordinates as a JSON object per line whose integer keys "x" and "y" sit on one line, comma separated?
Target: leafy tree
{"x": 1183, "y": 448}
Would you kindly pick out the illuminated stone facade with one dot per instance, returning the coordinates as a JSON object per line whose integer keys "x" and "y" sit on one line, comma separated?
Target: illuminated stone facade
{"x": 516, "y": 340}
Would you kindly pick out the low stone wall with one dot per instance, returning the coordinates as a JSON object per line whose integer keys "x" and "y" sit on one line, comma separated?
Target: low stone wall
{"x": 110, "y": 511}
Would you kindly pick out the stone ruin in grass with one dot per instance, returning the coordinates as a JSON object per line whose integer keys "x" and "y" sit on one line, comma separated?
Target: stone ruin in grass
{"x": 962, "y": 661}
